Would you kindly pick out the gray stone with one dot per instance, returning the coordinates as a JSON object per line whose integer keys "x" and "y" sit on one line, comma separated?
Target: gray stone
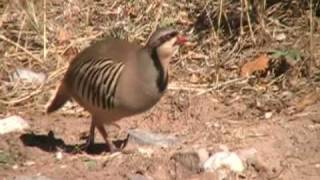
{"x": 226, "y": 159}
{"x": 147, "y": 138}
{"x": 28, "y": 76}
{"x": 192, "y": 160}
{"x": 13, "y": 123}
{"x": 139, "y": 177}
{"x": 29, "y": 178}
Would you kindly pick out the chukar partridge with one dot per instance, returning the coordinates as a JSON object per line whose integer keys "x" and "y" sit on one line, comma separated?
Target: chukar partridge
{"x": 114, "y": 78}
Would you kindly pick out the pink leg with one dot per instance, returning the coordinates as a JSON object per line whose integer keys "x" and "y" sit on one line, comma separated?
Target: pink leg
{"x": 90, "y": 139}
{"x": 104, "y": 134}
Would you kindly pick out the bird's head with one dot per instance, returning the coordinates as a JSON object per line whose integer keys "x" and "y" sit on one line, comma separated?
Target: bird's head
{"x": 166, "y": 42}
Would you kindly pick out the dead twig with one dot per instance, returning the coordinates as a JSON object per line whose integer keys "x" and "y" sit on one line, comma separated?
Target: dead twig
{"x": 80, "y": 40}
{"x": 224, "y": 85}
{"x": 44, "y": 30}
{"x": 20, "y": 31}
{"x": 156, "y": 23}
{"x": 22, "y": 99}
{"x": 220, "y": 13}
{"x": 21, "y": 48}
{"x": 205, "y": 88}
{"x": 246, "y": 7}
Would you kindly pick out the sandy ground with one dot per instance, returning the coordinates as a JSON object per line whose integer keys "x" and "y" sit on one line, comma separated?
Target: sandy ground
{"x": 287, "y": 146}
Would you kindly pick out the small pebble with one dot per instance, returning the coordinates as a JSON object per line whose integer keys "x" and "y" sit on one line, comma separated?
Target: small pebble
{"x": 29, "y": 163}
{"x": 139, "y": 177}
{"x": 268, "y": 115}
{"x": 146, "y": 151}
{"x": 280, "y": 37}
{"x": 224, "y": 159}
{"x": 27, "y": 177}
{"x": 59, "y": 155}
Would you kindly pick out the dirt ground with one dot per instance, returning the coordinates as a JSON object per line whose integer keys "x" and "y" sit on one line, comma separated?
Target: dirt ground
{"x": 208, "y": 105}
{"x": 288, "y": 146}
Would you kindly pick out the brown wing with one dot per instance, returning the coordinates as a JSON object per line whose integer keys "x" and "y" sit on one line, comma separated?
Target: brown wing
{"x": 93, "y": 74}
{"x": 95, "y": 81}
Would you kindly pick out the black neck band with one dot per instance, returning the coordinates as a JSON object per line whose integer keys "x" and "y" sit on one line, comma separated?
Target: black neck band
{"x": 162, "y": 79}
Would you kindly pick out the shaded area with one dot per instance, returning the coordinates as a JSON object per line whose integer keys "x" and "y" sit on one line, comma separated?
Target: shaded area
{"x": 49, "y": 143}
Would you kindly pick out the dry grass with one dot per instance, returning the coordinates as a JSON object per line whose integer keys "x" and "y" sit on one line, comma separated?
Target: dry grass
{"x": 223, "y": 34}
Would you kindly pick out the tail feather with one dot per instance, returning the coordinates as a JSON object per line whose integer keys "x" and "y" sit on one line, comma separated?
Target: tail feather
{"x": 59, "y": 99}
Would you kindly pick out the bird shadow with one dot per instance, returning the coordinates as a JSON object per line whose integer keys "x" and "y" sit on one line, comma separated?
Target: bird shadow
{"x": 50, "y": 143}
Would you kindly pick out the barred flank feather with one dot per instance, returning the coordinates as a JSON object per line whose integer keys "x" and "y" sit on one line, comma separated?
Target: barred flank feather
{"x": 96, "y": 81}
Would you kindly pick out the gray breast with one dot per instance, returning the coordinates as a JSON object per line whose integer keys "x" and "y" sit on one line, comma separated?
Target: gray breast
{"x": 137, "y": 89}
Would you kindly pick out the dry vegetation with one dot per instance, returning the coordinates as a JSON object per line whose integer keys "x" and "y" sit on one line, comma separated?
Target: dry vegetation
{"x": 224, "y": 35}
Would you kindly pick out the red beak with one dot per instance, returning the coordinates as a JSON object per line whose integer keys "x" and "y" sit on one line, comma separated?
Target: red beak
{"x": 181, "y": 40}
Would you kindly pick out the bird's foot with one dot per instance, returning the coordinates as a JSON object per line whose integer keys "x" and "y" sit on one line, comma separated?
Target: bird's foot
{"x": 118, "y": 145}
{"x": 112, "y": 148}
{"x": 88, "y": 144}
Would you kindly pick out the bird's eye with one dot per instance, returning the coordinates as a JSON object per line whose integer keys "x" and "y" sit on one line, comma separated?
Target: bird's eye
{"x": 169, "y": 36}
{"x": 173, "y": 34}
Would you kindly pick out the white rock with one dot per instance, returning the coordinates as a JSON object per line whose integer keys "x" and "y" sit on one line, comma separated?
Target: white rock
{"x": 139, "y": 177}
{"x": 146, "y": 151}
{"x": 224, "y": 159}
{"x": 28, "y": 76}
{"x": 15, "y": 167}
{"x": 13, "y": 123}
{"x": 280, "y": 37}
{"x": 25, "y": 177}
{"x": 59, "y": 155}
{"x": 29, "y": 163}
{"x": 268, "y": 115}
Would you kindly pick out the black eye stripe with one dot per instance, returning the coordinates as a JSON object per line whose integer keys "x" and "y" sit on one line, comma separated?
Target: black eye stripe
{"x": 160, "y": 36}
{"x": 169, "y": 36}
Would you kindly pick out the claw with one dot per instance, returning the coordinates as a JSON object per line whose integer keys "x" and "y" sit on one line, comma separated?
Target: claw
{"x": 90, "y": 139}
{"x": 89, "y": 143}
